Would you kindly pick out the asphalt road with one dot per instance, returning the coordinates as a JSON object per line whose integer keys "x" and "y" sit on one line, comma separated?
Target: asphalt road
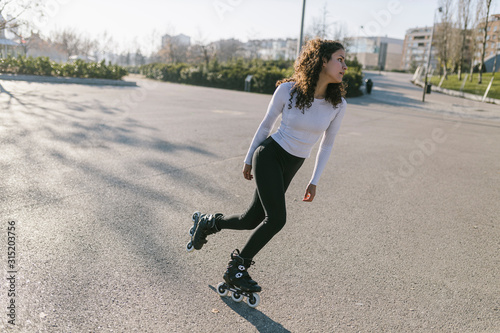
{"x": 403, "y": 235}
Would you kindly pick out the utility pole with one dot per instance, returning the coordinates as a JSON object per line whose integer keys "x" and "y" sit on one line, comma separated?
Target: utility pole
{"x": 496, "y": 56}
{"x": 429, "y": 54}
{"x": 299, "y": 44}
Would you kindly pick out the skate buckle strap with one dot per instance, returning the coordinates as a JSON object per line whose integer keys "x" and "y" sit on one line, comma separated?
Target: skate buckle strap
{"x": 242, "y": 272}
{"x": 211, "y": 223}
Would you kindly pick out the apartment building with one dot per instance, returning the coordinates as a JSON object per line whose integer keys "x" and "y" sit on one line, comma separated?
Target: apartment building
{"x": 492, "y": 44}
{"x": 416, "y": 49}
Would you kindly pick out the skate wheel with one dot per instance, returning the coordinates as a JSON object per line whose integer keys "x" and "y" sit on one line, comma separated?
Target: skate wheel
{"x": 253, "y": 301}
{"x": 236, "y": 297}
{"x": 195, "y": 216}
{"x": 189, "y": 247}
{"x": 221, "y": 289}
{"x": 191, "y": 231}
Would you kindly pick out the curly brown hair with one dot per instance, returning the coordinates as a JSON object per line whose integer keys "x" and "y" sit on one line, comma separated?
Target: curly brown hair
{"x": 307, "y": 68}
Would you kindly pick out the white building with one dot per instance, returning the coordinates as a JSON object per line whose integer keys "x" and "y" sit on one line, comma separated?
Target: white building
{"x": 177, "y": 40}
{"x": 382, "y": 53}
{"x": 274, "y": 49}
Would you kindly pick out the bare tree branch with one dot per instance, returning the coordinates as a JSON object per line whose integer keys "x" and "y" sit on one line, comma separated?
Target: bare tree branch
{"x": 69, "y": 41}
{"x": 444, "y": 35}
{"x": 485, "y": 12}
{"x": 12, "y": 11}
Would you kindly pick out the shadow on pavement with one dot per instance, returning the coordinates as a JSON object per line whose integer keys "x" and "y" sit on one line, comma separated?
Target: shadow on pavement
{"x": 2, "y": 90}
{"x": 382, "y": 97}
{"x": 255, "y": 317}
{"x": 69, "y": 147}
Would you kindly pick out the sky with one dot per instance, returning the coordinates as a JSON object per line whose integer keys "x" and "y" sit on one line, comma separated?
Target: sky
{"x": 134, "y": 23}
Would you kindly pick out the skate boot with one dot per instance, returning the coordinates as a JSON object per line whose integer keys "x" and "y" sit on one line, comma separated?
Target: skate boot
{"x": 236, "y": 274}
{"x": 204, "y": 225}
{"x": 238, "y": 282}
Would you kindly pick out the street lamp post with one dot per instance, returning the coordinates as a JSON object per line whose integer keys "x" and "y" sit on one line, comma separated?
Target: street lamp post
{"x": 429, "y": 54}
{"x": 358, "y": 53}
{"x": 299, "y": 44}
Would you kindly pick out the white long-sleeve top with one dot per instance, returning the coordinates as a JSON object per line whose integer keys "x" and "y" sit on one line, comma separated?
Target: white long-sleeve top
{"x": 299, "y": 132}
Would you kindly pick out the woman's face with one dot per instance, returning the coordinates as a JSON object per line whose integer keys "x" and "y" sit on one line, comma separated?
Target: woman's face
{"x": 335, "y": 67}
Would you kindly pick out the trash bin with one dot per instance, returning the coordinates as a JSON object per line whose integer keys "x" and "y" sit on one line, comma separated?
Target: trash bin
{"x": 428, "y": 89}
{"x": 369, "y": 85}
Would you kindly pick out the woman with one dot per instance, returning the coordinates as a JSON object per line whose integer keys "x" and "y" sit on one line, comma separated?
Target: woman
{"x": 312, "y": 106}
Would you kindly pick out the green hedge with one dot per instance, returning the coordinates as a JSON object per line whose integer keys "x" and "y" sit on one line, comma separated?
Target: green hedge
{"x": 354, "y": 78}
{"x": 232, "y": 75}
{"x": 44, "y": 66}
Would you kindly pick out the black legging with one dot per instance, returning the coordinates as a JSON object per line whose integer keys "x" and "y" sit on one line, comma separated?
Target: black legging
{"x": 273, "y": 169}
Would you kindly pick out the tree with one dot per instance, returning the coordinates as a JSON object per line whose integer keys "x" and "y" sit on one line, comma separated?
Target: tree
{"x": 321, "y": 27}
{"x": 444, "y": 35}
{"x": 474, "y": 35}
{"x": 174, "y": 49}
{"x": 13, "y": 11}
{"x": 139, "y": 59}
{"x": 88, "y": 46}
{"x": 464, "y": 20}
{"x": 201, "y": 50}
{"x": 104, "y": 45}
{"x": 69, "y": 41}
{"x": 484, "y": 9}
{"x": 227, "y": 49}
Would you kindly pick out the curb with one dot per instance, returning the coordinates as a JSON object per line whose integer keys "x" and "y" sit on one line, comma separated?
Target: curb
{"x": 74, "y": 80}
{"x": 455, "y": 93}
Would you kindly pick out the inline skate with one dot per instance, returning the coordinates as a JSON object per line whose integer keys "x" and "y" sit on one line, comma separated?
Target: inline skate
{"x": 238, "y": 281}
{"x": 203, "y": 226}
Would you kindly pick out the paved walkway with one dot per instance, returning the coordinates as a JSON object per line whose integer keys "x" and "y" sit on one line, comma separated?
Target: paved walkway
{"x": 101, "y": 182}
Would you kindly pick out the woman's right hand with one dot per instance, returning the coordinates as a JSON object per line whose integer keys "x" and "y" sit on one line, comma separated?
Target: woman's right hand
{"x": 247, "y": 171}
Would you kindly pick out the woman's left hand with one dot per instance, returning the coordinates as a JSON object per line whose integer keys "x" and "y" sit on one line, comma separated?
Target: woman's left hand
{"x": 310, "y": 193}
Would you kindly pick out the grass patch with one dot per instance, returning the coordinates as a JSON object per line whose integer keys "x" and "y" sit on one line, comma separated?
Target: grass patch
{"x": 471, "y": 87}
